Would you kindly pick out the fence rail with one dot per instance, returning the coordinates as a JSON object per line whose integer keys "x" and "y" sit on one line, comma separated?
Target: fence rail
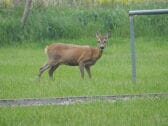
{"x": 148, "y": 12}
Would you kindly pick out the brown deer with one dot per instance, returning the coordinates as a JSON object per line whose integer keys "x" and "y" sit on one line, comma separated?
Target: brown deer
{"x": 73, "y": 55}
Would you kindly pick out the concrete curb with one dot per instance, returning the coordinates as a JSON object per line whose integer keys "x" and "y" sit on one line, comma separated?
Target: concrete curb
{"x": 73, "y": 99}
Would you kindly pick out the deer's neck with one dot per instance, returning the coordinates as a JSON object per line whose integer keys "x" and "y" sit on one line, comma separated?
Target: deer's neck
{"x": 97, "y": 53}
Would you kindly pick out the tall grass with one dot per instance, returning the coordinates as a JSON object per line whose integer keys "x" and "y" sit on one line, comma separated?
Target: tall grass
{"x": 54, "y": 22}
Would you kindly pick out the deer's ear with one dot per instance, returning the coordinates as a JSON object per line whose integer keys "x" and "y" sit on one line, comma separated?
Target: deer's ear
{"x": 97, "y": 35}
{"x": 106, "y": 36}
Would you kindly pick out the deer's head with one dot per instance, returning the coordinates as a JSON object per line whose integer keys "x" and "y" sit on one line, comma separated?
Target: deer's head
{"x": 101, "y": 40}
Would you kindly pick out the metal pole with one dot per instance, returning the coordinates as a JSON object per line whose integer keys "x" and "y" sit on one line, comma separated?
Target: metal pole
{"x": 132, "y": 39}
{"x": 148, "y": 12}
{"x": 132, "y": 44}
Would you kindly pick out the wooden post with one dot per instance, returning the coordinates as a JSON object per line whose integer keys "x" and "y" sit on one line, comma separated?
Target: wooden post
{"x": 26, "y": 13}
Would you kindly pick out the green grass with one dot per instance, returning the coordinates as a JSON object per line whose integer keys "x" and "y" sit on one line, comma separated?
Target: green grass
{"x": 136, "y": 112}
{"x": 110, "y": 75}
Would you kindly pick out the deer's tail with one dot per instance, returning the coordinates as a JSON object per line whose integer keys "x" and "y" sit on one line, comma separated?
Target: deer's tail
{"x": 46, "y": 49}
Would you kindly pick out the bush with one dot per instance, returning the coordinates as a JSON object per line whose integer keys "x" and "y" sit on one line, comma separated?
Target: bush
{"x": 55, "y": 22}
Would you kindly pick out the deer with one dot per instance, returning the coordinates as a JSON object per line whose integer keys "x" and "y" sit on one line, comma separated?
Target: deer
{"x": 83, "y": 56}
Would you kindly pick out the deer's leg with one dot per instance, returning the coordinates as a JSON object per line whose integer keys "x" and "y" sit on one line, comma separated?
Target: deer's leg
{"x": 51, "y": 71}
{"x": 88, "y": 71}
{"x": 81, "y": 66}
{"x": 42, "y": 69}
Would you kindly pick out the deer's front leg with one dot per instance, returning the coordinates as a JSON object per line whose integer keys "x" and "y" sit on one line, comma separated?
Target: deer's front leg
{"x": 81, "y": 66}
{"x": 88, "y": 71}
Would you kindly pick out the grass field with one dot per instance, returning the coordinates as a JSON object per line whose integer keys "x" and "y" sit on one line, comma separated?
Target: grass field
{"x": 139, "y": 112}
{"x": 110, "y": 75}
{"x": 22, "y": 54}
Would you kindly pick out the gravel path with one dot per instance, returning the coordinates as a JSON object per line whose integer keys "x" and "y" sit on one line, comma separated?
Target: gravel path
{"x": 74, "y": 99}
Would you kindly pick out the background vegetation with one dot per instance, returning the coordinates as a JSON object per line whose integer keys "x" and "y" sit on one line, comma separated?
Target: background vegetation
{"x": 79, "y": 19}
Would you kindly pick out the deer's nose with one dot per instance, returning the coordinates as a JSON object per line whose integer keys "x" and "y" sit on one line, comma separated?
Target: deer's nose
{"x": 101, "y": 46}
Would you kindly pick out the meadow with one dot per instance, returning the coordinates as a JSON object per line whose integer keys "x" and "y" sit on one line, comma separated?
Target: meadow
{"x": 22, "y": 54}
{"x": 111, "y": 74}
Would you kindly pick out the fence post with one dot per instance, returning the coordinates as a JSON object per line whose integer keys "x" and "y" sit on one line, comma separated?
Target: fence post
{"x": 132, "y": 43}
{"x": 132, "y": 37}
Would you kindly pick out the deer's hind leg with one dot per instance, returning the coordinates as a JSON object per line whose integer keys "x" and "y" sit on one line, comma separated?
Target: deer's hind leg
{"x": 42, "y": 69}
{"x": 51, "y": 71}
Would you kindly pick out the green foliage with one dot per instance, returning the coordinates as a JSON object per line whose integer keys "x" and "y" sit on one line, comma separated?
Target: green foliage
{"x": 55, "y": 22}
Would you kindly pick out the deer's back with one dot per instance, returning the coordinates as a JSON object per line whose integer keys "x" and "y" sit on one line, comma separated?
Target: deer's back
{"x": 69, "y": 54}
